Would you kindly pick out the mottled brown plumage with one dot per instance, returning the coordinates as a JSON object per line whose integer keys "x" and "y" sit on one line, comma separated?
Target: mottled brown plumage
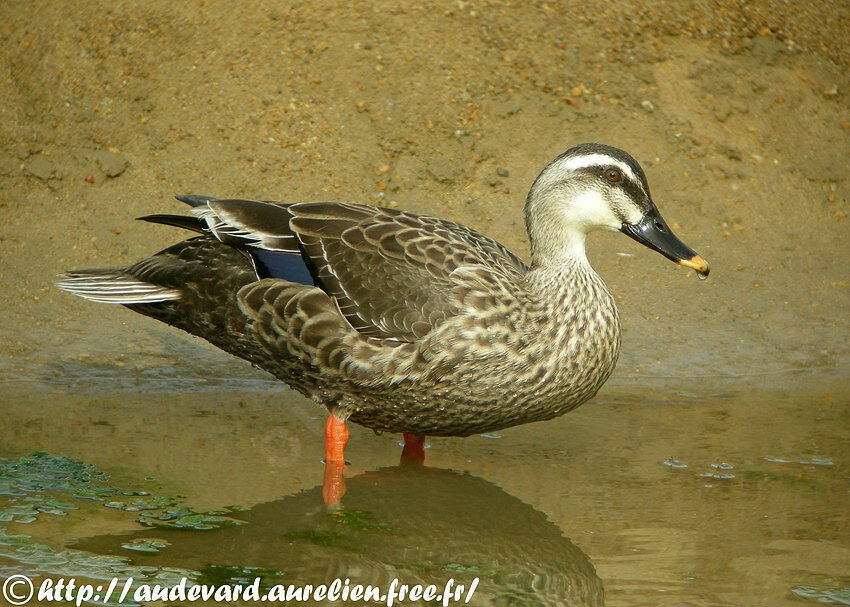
{"x": 412, "y": 324}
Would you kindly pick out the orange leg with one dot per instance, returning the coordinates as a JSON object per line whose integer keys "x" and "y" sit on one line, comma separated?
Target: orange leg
{"x": 414, "y": 450}
{"x": 336, "y": 436}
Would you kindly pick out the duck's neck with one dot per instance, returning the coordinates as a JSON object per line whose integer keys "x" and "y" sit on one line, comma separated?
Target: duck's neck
{"x": 568, "y": 294}
{"x": 559, "y": 266}
{"x": 553, "y": 250}
{"x": 556, "y": 245}
{"x": 557, "y": 238}
{"x": 558, "y": 278}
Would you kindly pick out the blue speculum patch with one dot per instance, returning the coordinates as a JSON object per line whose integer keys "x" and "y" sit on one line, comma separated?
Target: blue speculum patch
{"x": 277, "y": 264}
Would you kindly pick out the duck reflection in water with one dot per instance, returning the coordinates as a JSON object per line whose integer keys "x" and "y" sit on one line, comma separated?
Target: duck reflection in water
{"x": 417, "y": 524}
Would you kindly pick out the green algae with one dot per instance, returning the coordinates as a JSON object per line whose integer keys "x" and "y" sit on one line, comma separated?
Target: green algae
{"x": 43, "y": 484}
{"x": 186, "y": 518}
{"x": 42, "y": 559}
{"x": 359, "y": 520}
{"x": 30, "y": 485}
{"x": 345, "y": 522}
{"x": 146, "y": 545}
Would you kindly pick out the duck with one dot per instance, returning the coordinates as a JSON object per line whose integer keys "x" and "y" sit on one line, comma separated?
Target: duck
{"x": 402, "y": 322}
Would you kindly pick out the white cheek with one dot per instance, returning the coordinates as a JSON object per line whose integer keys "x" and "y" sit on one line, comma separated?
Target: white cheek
{"x": 592, "y": 211}
{"x": 633, "y": 213}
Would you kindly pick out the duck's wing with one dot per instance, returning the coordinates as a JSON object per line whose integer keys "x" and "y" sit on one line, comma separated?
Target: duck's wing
{"x": 393, "y": 274}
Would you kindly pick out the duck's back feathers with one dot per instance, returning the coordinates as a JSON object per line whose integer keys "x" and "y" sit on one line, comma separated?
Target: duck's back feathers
{"x": 390, "y": 273}
{"x": 393, "y": 275}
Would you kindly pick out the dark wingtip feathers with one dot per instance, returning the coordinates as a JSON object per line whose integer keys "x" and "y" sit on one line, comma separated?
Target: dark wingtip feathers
{"x": 195, "y": 224}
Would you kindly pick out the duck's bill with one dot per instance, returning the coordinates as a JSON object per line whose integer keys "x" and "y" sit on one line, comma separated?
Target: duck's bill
{"x": 652, "y": 231}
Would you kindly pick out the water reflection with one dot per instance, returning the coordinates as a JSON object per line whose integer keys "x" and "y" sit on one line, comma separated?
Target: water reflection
{"x": 420, "y": 525}
{"x": 610, "y": 474}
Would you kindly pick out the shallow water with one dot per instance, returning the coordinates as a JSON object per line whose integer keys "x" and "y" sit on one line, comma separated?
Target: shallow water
{"x": 695, "y": 492}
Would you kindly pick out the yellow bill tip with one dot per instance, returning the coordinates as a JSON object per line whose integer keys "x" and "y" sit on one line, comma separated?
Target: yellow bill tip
{"x": 696, "y": 263}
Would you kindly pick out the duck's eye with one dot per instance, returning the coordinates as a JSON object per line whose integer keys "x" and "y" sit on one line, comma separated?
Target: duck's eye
{"x": 612, "y": 175}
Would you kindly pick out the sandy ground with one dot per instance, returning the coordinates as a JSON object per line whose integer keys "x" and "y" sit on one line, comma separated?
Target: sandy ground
{"x": 739, "y": 116}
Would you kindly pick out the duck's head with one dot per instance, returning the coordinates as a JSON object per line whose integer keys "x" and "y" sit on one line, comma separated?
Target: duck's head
{"x": 597, "y": 187}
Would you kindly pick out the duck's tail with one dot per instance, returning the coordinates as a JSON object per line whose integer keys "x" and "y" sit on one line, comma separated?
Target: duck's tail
{"x": 191, "y": 285}
{"x": 114, "y": 285}
{"x": 124, "y": 285}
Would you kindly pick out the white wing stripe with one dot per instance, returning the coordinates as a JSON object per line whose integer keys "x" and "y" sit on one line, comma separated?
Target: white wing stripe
{"x": 219, "y": 227}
